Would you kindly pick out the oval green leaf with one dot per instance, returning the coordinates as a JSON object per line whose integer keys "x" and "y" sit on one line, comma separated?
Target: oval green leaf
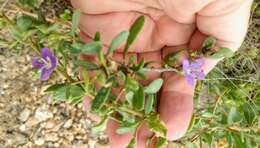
{"x": 154, "y": 87}
{"x": 138, "y": 99}
{"x": 87, "y": 65}
{"x": 75, "y": 21}
{"x": 131, "y": 84}
{"x": 92, "y": 48}
{"x": 134, "y": 31}
{"x": 117, "y": 41}
{"x": 100, "y": 126}
{"x": 24, "y": 22}
{"x": 100, "y": 99}
{"x": 208, "y": 44}
{"x": 149, "y": 104}
{"x": 222, "y": 52}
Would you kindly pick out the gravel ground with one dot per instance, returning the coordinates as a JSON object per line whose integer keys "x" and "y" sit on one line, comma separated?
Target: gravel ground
{"x": 28, "y": 119}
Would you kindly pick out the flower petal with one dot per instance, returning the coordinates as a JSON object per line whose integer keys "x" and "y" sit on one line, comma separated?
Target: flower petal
{"x": 201, "y": 76}
{"x": 36, "y": 63}
{"x": 54, "y": 62}
{"x": 45, "y": 74}
{"x": 45, "y": 52}
{"x": 185, "y": 64}
{"x": 49, "y": 56}
{"x": 190, "y": 80}
{"x": 198, "y": 63}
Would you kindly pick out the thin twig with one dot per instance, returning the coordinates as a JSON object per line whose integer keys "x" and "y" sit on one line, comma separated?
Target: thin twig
{"x": 160, "y": 70}
{"x": 233, "y": 83}
{"x": 227, "y": 78}
{"x": 129, "y": 111}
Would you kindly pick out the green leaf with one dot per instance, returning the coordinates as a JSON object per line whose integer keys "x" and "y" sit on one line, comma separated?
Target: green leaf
{"x": 239, "y": 141}
{"x": 134, "y": 31}
{"x": 229, "y": 140}
{"x": 113, "y": 79}
{"x": 129, "y": 98}
{"x": 249, "y": 113}
{"x": 149, "y": 104}
{"x": 172, "y": 58}
{"x": 161, "y": 142}
{"x": 208, "y": 44}
{"x": 76, "y": 92}
{"x": 133, "y": 59}
{"x": 101, "y": 78}
{"x": 97, "y": 36}
{"x": 46, "y": 29}
{"x": 154, "y": 87}
{"x": 62, "y": 92}
{"x": 100, "y": 99}
{"x": 222, "y": 52}
{"x": 75, "y": 21}
{"x": 54, "y": 87}
{"x": 66, "y": 15}
{"x": 16, "y": 33}
{"x": 59, "y": 93}
{"x": 208, "y": 138}
{"x": 139, "y": 66}
{"x": 227, "y": 53}
{"x": 132, "y": 143}
{"x": 24, "y": 22}
{"x": 233, "y": 115}
{"x": 117, "y": 41}
{"x": 141, "y": 74}
{"x": 124, "y": 130}
{"x": 75, "y": 48}
{"x": 92, "y": 48}
{"x": 87, "y": 65}
{"x": 156, "y": 125}
{"x": 131, "y": 84}
{"x": 208, "y": 115}
{"x": 127, "y": 127}
{"x": 102, "y": 59}
{"x": 138, "y": 99}
{"x": 100, "y": 127}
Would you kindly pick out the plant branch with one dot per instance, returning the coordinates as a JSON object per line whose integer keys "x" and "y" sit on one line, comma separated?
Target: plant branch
{"x": 136, "y": 113}
{"x": 160, "y": 70}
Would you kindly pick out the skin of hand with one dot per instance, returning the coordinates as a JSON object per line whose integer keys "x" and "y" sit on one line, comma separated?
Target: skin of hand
{"x": 169, "y": 25}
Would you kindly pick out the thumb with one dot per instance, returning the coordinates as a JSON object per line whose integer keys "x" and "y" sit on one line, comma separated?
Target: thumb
{"x": 176, "y": 105}
{"x": 176, "y": 101}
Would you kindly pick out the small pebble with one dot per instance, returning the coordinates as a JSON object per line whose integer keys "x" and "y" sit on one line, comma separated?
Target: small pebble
{"x": 24, "y": 115}
{"x": 51, "y": 137}
{"x": 22, "y": 128}
{"x": 43, "y": 114}
{"x": 39, "y": 141}
{"x": 68, "y": 124}
{"x": 31, "y": 122}
{"x": 50, "y": 124}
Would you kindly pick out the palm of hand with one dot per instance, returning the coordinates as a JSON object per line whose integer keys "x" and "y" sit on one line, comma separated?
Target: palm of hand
{"x": 166, "y": 29}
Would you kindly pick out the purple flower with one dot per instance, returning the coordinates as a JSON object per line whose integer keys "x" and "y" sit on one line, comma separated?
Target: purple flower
{"x": 46, "y": 64}
{"x": 193, "y": 71}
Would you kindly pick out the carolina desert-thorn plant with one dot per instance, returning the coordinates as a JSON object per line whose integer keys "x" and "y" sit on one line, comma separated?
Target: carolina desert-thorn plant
{"x": 57, "y": 50}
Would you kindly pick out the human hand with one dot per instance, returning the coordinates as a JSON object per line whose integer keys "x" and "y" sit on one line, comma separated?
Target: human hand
{"x": 169, "y": 25}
